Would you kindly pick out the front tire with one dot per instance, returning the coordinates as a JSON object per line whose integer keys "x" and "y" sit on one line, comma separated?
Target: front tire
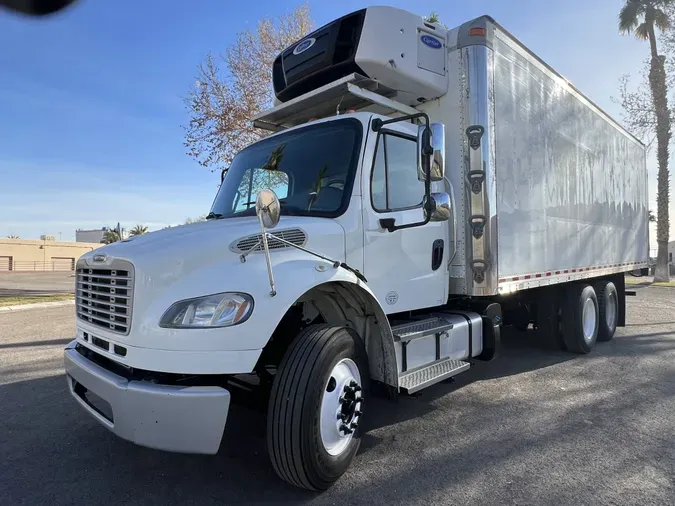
{"x": 314, "y": 414}
{"x": 608, "y": 309}
{"x": 580, "y": 318}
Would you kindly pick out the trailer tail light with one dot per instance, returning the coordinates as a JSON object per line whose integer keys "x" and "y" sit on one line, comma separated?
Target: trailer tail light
{"x": 477, "y": 32}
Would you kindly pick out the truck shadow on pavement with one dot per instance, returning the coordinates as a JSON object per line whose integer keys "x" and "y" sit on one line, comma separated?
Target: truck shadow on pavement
{"x": 519, "y": 352}
{"x": 53, "y": 453}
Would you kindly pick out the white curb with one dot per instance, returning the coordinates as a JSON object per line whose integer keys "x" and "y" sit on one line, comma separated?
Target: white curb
{"x": 37, "y": 305}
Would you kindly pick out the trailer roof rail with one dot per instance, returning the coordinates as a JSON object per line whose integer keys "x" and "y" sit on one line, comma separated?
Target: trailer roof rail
{"x": 352, "y": 92}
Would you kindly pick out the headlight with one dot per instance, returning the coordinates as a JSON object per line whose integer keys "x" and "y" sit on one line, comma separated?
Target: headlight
{"x": 218, "y": 310}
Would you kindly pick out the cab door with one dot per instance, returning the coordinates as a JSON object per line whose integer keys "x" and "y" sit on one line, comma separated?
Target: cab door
{"x": 405, "y": 269}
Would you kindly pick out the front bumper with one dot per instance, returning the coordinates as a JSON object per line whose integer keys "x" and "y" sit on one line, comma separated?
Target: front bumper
{"x": 165, "y": 417}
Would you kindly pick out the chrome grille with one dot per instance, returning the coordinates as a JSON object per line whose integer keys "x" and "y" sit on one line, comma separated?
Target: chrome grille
{"x": 104, "y": 296}
{"x": 292, "y": 235}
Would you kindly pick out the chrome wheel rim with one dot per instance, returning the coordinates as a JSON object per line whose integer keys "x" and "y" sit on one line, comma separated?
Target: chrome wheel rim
{"x": 341, "y": 406}
{"x": 589, "y": 317}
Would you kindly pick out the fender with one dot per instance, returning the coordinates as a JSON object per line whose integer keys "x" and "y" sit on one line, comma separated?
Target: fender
{"x": 350, "y": 302}
{"x": 341, "y": 298}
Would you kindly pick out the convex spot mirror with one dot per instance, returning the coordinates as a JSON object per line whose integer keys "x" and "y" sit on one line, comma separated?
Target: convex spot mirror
{"x": 441, "y": 208}
{"x": 268, "y": 208}
{"x": 431, "y": 151}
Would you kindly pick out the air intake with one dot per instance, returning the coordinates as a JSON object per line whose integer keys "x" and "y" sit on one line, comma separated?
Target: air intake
{"x": 293, "y": 235}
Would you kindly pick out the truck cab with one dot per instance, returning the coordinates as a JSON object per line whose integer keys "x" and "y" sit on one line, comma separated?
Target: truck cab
{"x": 354, "y": 246}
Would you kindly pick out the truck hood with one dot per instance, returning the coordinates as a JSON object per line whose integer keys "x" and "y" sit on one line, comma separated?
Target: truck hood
{"x": 204, "y": 258}
{"x": 181, "y": 249}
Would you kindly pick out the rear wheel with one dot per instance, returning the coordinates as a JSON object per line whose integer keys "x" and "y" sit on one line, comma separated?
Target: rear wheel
{"x": 580, "y": 318}
{"x": 315, "y": 409}
{"x": 608, "y": 310}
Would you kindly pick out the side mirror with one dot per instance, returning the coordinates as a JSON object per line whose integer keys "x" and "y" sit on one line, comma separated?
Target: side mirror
{"x": 442, "y": 210}
{"x": 268, "y": 208}
{"x": 431, "y": 149}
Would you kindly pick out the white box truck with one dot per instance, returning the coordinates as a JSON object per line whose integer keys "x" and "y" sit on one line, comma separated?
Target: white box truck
{"x": 422, "y": 188}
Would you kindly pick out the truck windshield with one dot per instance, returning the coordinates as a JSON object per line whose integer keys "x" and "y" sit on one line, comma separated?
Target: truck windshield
{"x": 310, "y": 169}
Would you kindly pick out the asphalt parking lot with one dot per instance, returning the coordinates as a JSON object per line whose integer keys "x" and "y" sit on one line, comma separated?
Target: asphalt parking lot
{"x": 16, "y": 284}
{"x": 534, "y": 426}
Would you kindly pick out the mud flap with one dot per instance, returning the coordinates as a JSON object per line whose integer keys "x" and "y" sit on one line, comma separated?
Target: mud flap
{"x": 492, "y": 321}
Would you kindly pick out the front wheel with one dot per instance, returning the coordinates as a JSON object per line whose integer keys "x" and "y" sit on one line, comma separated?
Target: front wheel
{"x": 315, "y": 409}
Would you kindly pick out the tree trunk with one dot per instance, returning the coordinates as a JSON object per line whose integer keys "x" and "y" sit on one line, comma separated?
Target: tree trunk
{"x": 657, "y": 82}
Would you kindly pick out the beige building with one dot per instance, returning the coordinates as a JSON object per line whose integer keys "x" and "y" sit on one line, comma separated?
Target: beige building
{"x": 41, "y": 255}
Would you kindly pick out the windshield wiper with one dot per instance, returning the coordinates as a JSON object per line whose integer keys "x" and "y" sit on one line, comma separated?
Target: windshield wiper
{"x": 292, "y": 210}
{"x": 214, "y": 216}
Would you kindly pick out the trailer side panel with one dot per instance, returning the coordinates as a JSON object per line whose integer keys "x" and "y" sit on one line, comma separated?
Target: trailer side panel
{"x": 571, "y": 183}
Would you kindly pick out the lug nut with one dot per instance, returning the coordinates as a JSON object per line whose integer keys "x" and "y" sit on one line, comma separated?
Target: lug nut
{"x": 345, "y": 429}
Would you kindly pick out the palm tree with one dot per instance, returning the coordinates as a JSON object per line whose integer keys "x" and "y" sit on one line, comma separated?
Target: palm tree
{"x": 12, "y": 236}
{"x": 110, "y": 236}
{"x": 652, "y": 218}
{"x": 138, "y": 230}
{"x": 642, "y": 18}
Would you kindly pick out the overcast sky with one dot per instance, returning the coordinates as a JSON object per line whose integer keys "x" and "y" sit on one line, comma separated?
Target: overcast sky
{"x": 91, "y": 101}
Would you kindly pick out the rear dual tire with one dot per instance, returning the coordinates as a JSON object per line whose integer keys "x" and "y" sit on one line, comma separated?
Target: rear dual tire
{"x": 608, "y": 309}
{"x": 580, "y": 319}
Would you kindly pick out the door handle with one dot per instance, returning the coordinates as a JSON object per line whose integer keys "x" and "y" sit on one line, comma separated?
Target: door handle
{"x": 388, "y": 224}
{"x": 437, "y": 254}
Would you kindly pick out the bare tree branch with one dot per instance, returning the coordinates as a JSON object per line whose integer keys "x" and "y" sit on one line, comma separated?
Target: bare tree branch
{"x": 232, "y": 88}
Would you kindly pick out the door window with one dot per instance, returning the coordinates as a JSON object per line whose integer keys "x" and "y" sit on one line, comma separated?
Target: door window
{"x": 394, "y": 184}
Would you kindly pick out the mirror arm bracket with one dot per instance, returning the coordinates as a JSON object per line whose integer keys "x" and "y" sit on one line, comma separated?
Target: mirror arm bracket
{"x": 268, "y": 260}
{"x": 246, "y": 253}
{"x": 378, "y": 123}
{"x": 334, "y": 263}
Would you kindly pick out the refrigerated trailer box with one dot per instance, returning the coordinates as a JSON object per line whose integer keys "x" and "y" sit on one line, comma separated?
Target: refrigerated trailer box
{"x": 422, "y": 188}
{"x": 567, "y": 185}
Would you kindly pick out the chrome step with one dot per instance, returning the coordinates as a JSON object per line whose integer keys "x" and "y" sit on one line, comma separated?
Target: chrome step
{"x": 420, "y": 328}
{"x": 427, "y": 375}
